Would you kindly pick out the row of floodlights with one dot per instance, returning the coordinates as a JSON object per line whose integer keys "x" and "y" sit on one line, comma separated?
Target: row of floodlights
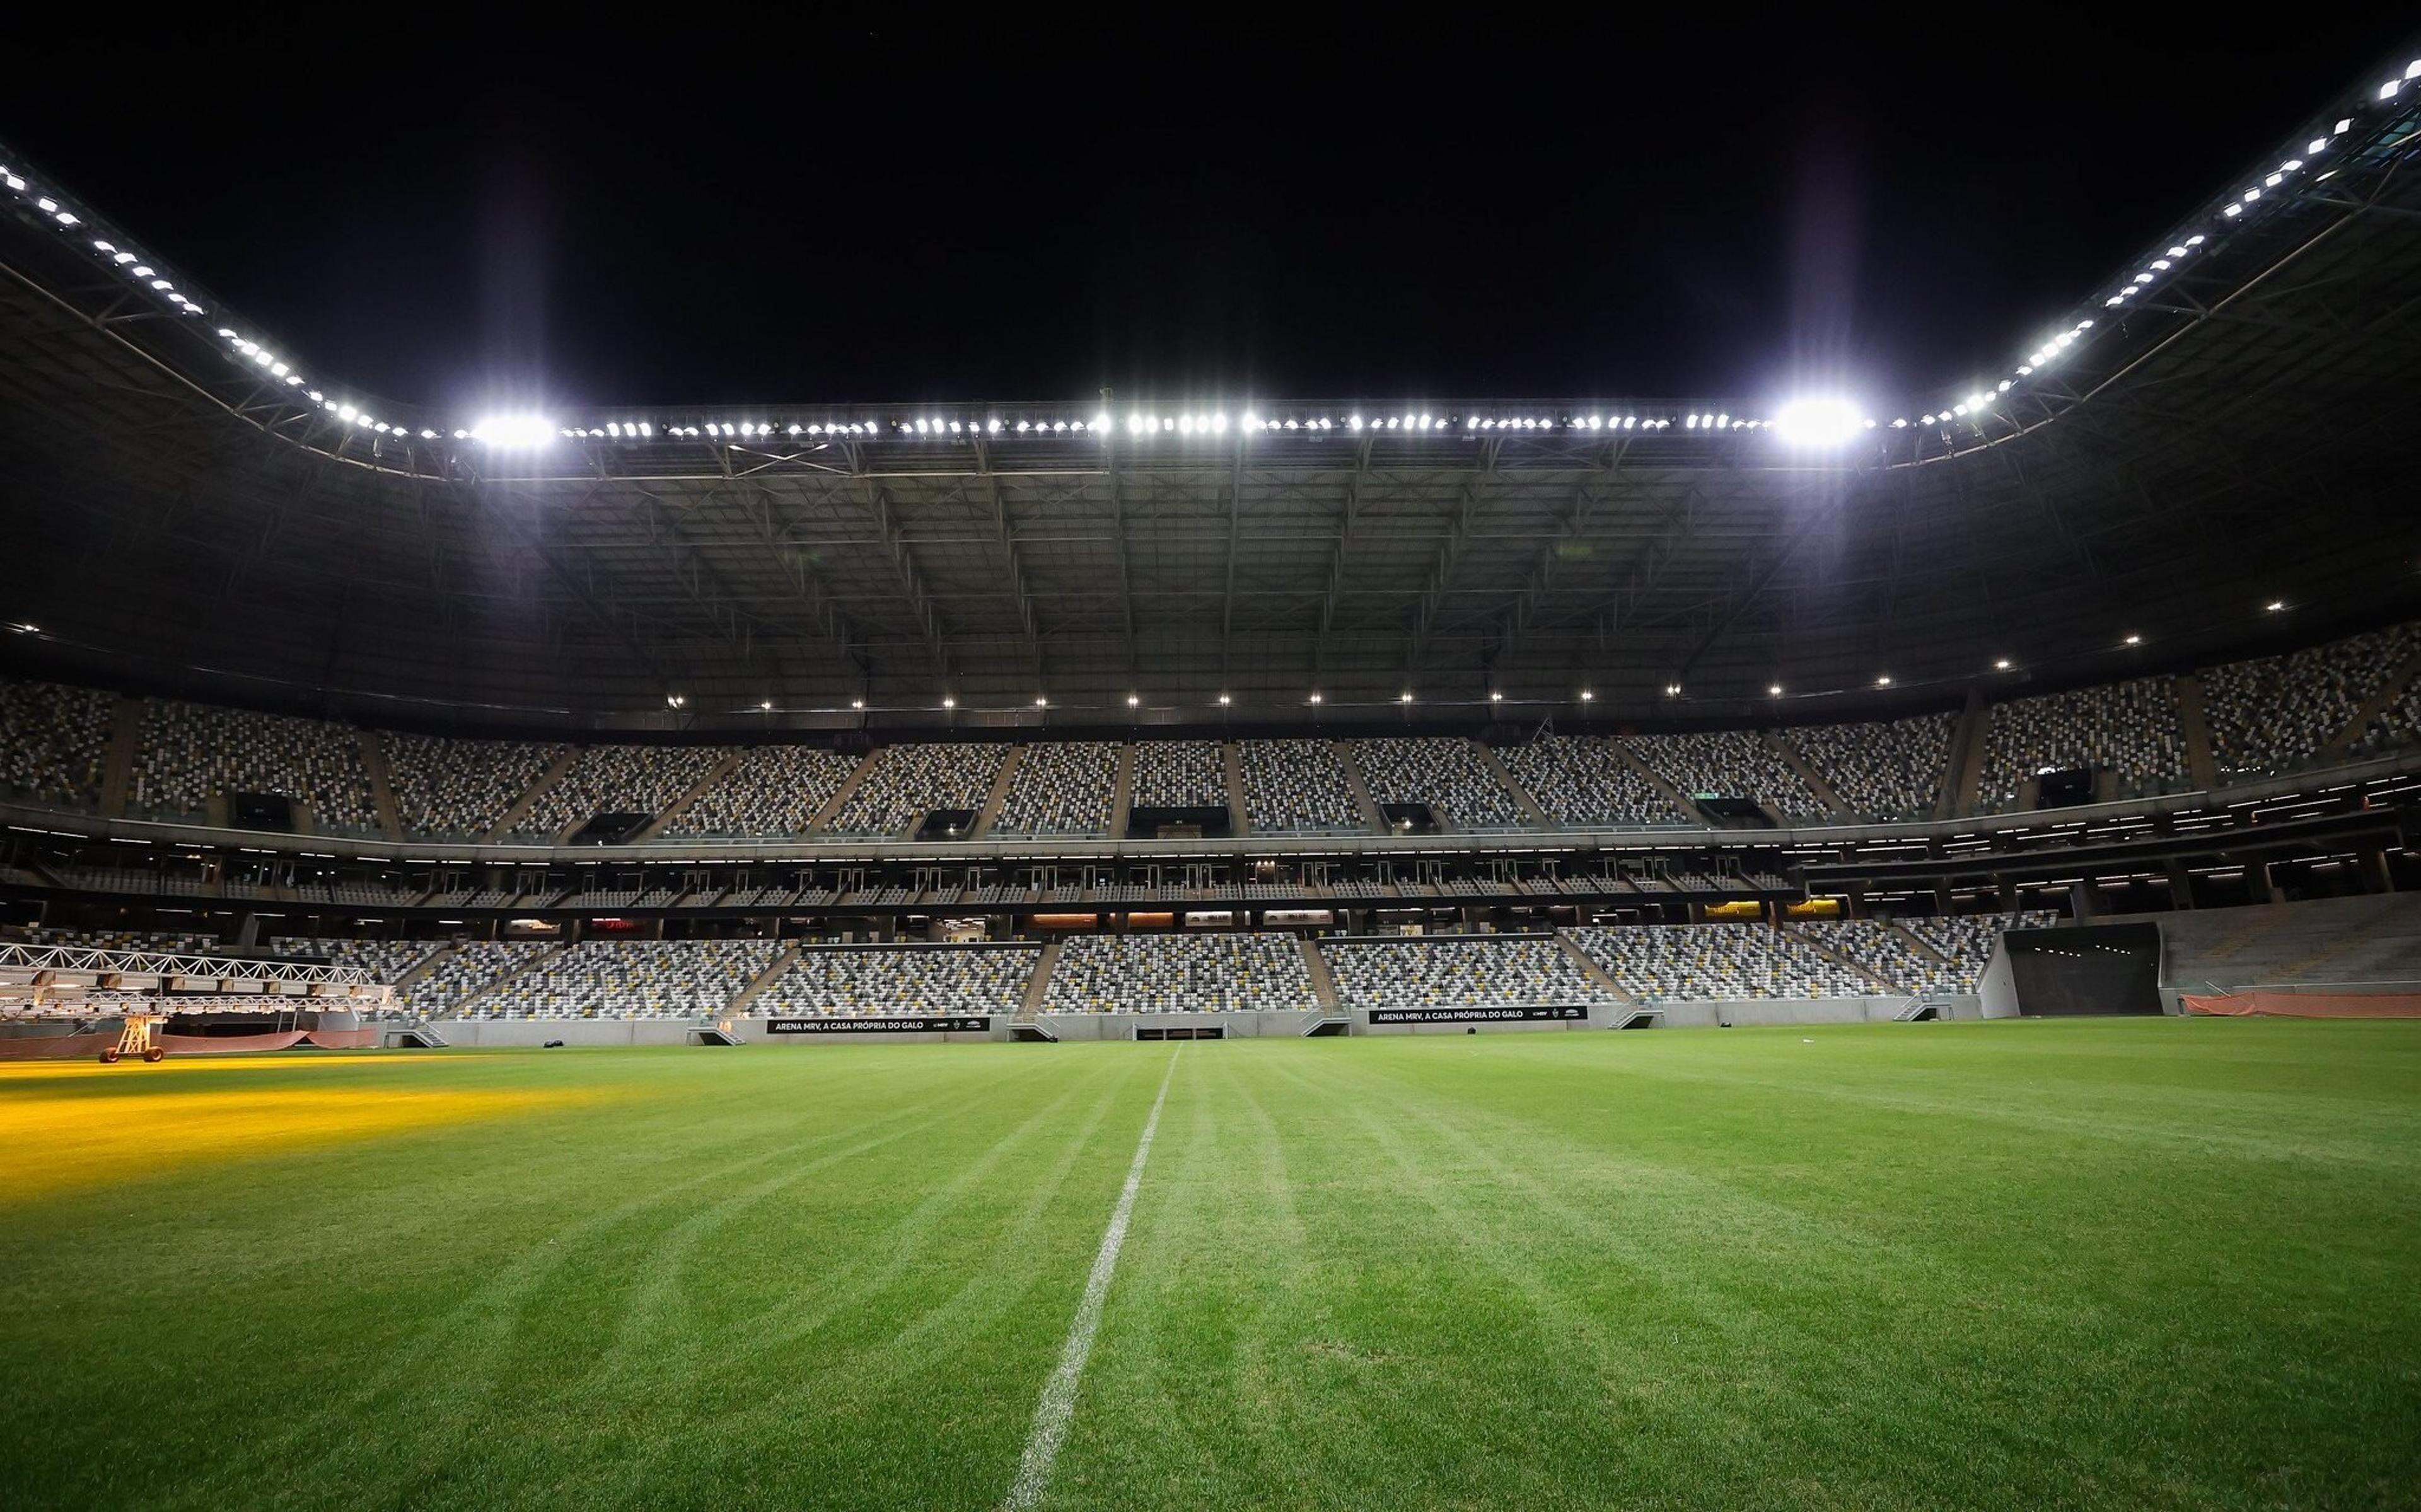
{"x": 1818, "y": 422}
{"x": 2172, "y": 257}
{"x": 1804, "y": 422}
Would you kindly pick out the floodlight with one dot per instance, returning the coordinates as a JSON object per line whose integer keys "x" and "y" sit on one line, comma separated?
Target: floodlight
{"x": 1817, "y": 422}
{"x": 514, "y": 430}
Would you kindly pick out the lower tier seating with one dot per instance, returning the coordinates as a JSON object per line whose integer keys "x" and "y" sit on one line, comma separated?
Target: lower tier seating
{"x": 1178, "y": 974}
{"x": 891, "y": 980}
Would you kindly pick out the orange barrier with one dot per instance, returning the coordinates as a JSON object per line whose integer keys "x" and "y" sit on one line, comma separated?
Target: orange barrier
{"x": 80, "y": 1047}
{"x": 2308, "y": 1005}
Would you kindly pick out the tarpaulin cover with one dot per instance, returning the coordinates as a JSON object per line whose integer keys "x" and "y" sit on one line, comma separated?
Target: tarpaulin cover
{"x": 2308, "y": 1004}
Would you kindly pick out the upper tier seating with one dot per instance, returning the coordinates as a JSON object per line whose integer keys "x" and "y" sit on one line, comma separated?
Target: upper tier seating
{"x": 632, "y": 979}
{"x": 1060, "y": 787}
{"x": 618, "y": 779}
{"x": 54, "y": 742}
{"x": 2129, "y": 728}
{"x": 1449, "y": 775}
{"x": 907, "y": 782}
{"x": 1178, "y": 974}
{"x": 1729, "y": 764}
{"x": 1965, "y": 941}
{"x": 1179, "y": 774}
{"x": 1579, "y": 780}
{"x": 2274, "y": 713}
{"x": 1891, "y": 771}
{"x": 771, "y": 790}
{"x": 459, "y": 789}
{"x": 889, "y": 981}
{"x": 470, "y": 968}
{"x": 192, "y": 753}
{"x": 1457, "y": 971}
{"x": 1716, "y": 962}
{"x": 1298, "y": 786}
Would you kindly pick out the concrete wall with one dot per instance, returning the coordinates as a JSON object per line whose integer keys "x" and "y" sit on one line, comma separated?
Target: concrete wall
{"x": 1750, "y": 1012}
{"x": 1247, "y": 1025}
{"x": 493, "y": 1034}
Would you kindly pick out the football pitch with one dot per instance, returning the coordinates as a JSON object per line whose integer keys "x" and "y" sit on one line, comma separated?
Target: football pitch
{"x": 2122, "y": 1263}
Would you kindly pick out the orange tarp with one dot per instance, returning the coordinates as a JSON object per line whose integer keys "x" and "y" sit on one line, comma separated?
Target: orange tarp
{"x": 2309, "y": 1005}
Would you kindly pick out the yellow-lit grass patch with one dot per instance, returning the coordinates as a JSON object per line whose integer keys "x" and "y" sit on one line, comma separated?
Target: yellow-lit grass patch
{"x": 57, "y": 1144}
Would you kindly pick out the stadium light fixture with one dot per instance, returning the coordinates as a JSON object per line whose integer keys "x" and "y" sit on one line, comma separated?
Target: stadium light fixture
{"x": 1315, "y": 698}
{"x": 857, "y": 703}
{"x": 675, "y": 700}
{"x": 2134, "y": 640}
{"x": 1818, "y": 422}
{"x": 1587, "y": 696}
{"x": 2275, "y": 605}
{"x": 1041, "y": 702}
{"x": 2002, "y": 664}
{"x": 766, "y": 705}
{"x": 1404, "y": 697}
{"x": 1884, "y": 681}
{"x": 515, "y": 432}
{"x": 948, "y": 702}
{"x": 1223, "y": 700}
{"x": 1495, "y": 696}
{"x": 1773, "y": 690}
{"x": 1672, "y": 690}
{"x": 1133, "y": 700}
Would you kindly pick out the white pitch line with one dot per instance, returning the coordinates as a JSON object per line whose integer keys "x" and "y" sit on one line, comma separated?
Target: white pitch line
{"x": 1059, "y": 1404}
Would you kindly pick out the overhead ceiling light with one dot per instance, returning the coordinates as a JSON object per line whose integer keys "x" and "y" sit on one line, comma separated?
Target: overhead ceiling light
{"x": 1404, "y": 697}
{"x": 2275, "y": 605}
{"x": 1315, "y": 698}
{"x": 1495, "y": 697}
{"x": 1041, "y": 702}
{"x": 1818, "y": 422}
{"x": 2134, "y": 640}
{"x": 1884, "y": 681}
{"x": 1132, "y": 700}
{"x": 1672, "y": 690}
{"x": 2001, "y": 665}
{"x": 1587, "y": 696}
{"x": 1773, "y": 690}
{"x": 948, "y": 702}
{"x": 1222, "y": 700}
{"x": 857, "y": 703}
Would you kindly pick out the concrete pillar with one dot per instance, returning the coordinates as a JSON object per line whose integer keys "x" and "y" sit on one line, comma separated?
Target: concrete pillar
{"x": 2008, "y": 891}
{"x": 2270, "y": 887}
{"x": 2180, "y": 885}
{"x": 2376, "y": 877}
{"x": 2082, "y": 903}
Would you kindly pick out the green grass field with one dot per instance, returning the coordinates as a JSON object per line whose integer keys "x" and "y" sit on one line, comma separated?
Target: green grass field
{"x": 2117, "y": 1264}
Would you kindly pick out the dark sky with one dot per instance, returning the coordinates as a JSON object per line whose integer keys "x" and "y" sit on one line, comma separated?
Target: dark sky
{"x": 1463, "y": 203}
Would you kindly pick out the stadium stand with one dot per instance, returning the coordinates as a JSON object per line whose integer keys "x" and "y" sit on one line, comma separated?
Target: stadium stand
{"x": 909, "y": 781}
{"x": 631, "y": 979}
{"x": 457, "y": 789}
{"x": 192, "y": 753}
{"x": 2373, "y": 939}
{"x": 2273, "y": 714}
{"x": 1447, "y": 774}
{"x": 1456, "y": 971}
{"x": 1578, "y": 780}
{"x": 1061, "y": 787}
{"x": 1882, "y": 951}
{"x": 1965, "y": 940}
{"x": 387, "y": 960}
{"x": 461, "y": 974}
{"x": 893, "y": 980}
{"x": 1178, "y": 974}
{"x": 1298, "y": 787}
{"x": 618, "y": 779}
{"x": 773, "y": 790}
{"x": 1716, "y": 962}
{"x": 2130, "y": 730}
{"x": 1179, "y": 774}
{"x": 52, "y": 742}
{"x": 173, "y": 942}
{"x": 1891, "y": 771}
{"x": 1729, "y": 764}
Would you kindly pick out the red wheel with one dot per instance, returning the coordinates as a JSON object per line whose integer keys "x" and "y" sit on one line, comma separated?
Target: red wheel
{"x": 109, "y": 1057}
{"x": 156, "y": 1054}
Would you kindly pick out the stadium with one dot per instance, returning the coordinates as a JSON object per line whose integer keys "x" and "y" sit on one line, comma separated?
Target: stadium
{"x": 1225, "y": 951}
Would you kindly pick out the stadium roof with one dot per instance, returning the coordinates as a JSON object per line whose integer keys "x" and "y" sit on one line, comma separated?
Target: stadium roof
{"x": 2225, "y": 425}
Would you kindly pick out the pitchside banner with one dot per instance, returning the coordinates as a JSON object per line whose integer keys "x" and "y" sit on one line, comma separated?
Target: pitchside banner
{"x": 969, "y": 1024}
{"x": 1477, "y": 1015}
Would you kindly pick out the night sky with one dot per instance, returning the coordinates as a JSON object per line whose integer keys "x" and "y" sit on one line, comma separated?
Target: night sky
{"x": 1424, "y": 205}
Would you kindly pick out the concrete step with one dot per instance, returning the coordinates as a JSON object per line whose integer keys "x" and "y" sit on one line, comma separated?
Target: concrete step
{"x": 521, "y": 805}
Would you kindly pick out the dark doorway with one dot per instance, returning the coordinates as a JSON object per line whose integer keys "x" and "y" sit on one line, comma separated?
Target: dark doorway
{"x": 2095, "y": 968}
